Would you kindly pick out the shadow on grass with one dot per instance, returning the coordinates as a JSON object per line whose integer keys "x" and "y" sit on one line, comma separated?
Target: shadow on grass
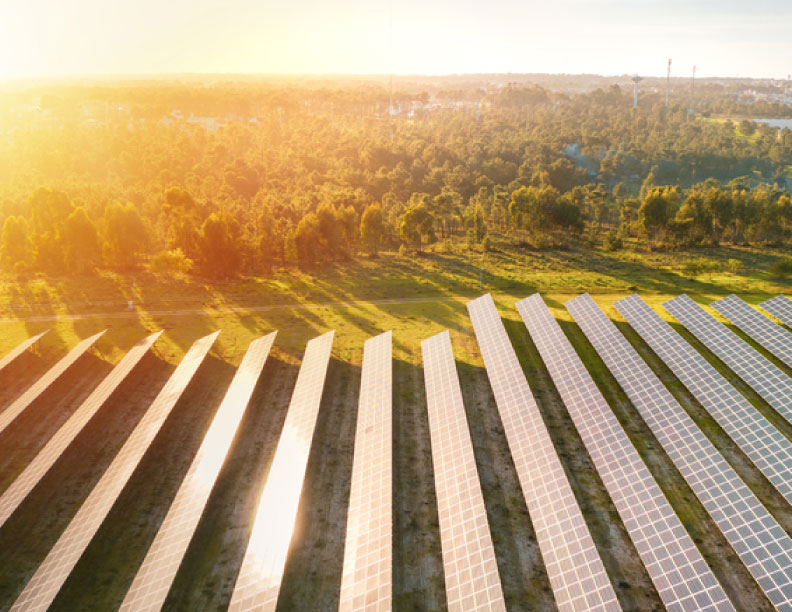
{"x": 625, "y": 568}
{"x": 110, "y": 562}
{"x": 418, "y": 577}
{"x": 36, "y": 525}
{"x": 35, "y": 425}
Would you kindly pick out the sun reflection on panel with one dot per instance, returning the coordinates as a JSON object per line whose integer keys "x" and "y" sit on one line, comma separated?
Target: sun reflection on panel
{"x": 259, "y": 579}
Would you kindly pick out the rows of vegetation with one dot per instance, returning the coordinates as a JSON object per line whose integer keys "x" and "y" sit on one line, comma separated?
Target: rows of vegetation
{"x": 293, "y": 176}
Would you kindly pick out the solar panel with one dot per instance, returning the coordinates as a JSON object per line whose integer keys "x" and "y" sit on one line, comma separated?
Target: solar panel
{"x": 471, "y": 569}
{"x": 756, "y": 537}
{"x": 574, "y": 568}
{"x": 47, "y": 456}
{"x": 43, "y": 383}
{"x": 676, "y": 567}
{"x": 42, "y": 588}
{"x": 21, "y": 348}
{"x": 768, "y": 448}
{"x": 366, "y": 581}
{"x": 258, "y": 583}
{"x": 767, "y": 380}
{"x": 155, "y": 576}
{"x": 773, "y": 337}
{"x": 780, "y": 307}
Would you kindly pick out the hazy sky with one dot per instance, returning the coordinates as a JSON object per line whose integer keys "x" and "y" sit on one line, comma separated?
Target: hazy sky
{"x": 76, "y": 37}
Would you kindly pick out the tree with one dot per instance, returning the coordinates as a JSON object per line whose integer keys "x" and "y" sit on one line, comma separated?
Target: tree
{"x": 748, "y": 128}
{"x": 657, "y": 209}
{"x": 306, "y": 239}
{"x": 219, "y": 253}
{"x": 522, "y": 207}
{"x": 350, "y": 228}
{"x": 329, "y": 231}
{"x": 49, "y": 210}
{"x": 563, "y": 174}
{"x": 125, "y": 235}
{"x": 81, "y": 242}
{"x": 183, "y": 215}
{"x": 15, "y": 245}
{"x": 720, "y": 206}
{"x": 372, "y": 228}
{"x": 477, "y": 225}
{"x": 446, "y": 207}
{"x": 694, "y": 221}
{"x": 417, "y": 223}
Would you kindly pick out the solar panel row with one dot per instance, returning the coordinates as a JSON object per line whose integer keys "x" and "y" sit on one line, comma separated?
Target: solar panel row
{"x": 767, "y": 380}
{"x": 780, "y": 307}
{"x": 155, "y": 575}
{"x": 574, "y": 568}
{"x": 754, "y": 534}
{"x": 767, "y": 447}
{"x": 43, "y": 383}
{"x": 259, "y": 580}
{"x": 47, "y": 456}
{"x": 366, "y": 581}
{"x": 773, "y": 337}
{"x": 42, "y": 588}
{"x": 471, "y": 570}
{"x": 681, "y": 576}
{"x": 21, "y": 348}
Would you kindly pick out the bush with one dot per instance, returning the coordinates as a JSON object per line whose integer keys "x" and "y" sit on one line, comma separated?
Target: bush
{"x": 612, "y": 242}
{"x": 734, "y": 266}
{"x": 170, "y": 263}
{"x": 22, "y": 270}
{"x": 542, "y": 242}
{"x": 691, "y": 267}
{"x": 695, "y": 267}
{"x": 781, "y": 267}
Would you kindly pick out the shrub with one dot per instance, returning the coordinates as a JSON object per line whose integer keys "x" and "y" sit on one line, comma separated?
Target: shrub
{"x": 170, "y": 263}
{"x": 782, "y": 267}
{"x": 691, "y": 267}
{"x": 734, "y": 266}
{"x": 612, "y": 242}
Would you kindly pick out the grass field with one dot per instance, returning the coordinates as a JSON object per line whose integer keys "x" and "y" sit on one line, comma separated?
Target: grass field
{"x": 415, "y": 297}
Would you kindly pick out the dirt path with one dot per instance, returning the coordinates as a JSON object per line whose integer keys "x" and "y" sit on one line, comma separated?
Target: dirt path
{"x": 242, "y": 310}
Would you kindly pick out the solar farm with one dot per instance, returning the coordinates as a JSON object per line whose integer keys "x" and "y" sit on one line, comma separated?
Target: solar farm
{"x": 537, "y": 455}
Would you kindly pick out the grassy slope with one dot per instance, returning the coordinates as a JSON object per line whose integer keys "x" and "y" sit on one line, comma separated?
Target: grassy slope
{"x": 207, "y": 576}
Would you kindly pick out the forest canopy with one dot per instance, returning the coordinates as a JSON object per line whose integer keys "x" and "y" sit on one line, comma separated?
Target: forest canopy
{"x": 236, "y": 178}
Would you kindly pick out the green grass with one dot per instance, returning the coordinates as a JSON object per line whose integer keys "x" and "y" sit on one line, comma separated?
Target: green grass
{"x": 360, "y": 299}
{"x": 510, "y": 274}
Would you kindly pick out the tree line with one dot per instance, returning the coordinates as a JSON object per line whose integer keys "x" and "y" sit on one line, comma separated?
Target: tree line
{"x": 302, "y": 178}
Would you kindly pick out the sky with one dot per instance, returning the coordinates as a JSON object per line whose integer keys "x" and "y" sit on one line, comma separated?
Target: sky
{"x": 43, "y": 38}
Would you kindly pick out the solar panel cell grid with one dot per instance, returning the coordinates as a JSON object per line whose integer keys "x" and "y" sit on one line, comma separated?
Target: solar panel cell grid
{"x": 258, "y": 583}
{"x": 44, "y": 383}
{"x": 772, "y": 337}
{"x": 19, "y": 349}
{"x": 767, "y": 380}
{"x": 574, "y": 568}
{"x": 471, "y": 569}
{"x": 754, "y": 534}
{"x": 39, "y": 593}
{"x": 155, "y": 576}
{"x": 366, "y": 583}
{"x": 780, "y": 307}
{"x": 43, "y": 461}
{"x": 767, "y": 447}
{"x": 676, "y": 567}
